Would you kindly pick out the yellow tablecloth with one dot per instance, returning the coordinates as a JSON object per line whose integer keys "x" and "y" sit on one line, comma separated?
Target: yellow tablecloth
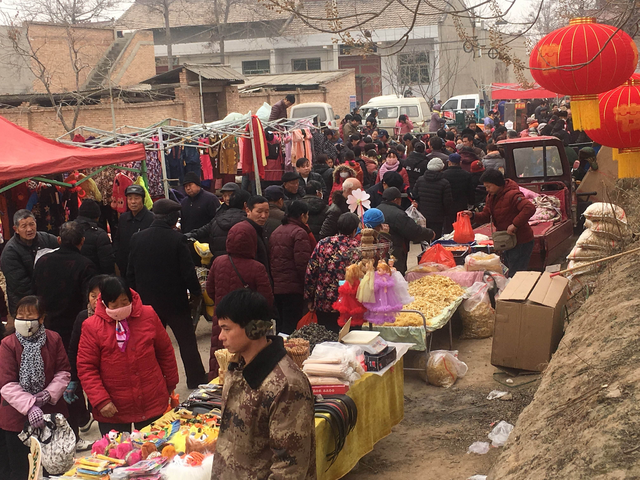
{"x": 380, "y": 402}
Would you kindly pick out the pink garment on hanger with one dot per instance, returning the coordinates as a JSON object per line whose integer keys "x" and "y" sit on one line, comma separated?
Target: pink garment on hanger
{"x": 205, "y": 160}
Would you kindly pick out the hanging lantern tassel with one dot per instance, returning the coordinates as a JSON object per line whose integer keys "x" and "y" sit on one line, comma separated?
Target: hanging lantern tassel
{"x": 585, "y": 111}
{"x": 628, "y": 162}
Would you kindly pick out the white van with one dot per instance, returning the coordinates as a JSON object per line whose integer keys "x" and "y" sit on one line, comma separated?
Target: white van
{"x": 390, "y": 107}
{"x": 467, "y": 103}
{"x": 323, "y": 112}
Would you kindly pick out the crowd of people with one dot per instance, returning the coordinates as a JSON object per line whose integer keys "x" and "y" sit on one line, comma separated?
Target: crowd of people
{"x": 88, "y": 312}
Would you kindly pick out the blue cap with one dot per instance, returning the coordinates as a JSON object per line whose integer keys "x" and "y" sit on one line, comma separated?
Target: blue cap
{"x": 373, "y": 218}
{"x": 455, "y": 158}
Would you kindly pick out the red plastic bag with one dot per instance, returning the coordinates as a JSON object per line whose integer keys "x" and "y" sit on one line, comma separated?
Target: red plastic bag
{"x": 462, "y": 230}
{"x": 310, "y": 317}
{"x": 438, "y": 254}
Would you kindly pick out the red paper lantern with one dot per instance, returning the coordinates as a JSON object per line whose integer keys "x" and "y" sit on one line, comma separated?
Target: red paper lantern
{"x": 582, "y": 60}
{"x": 620, "y": 126}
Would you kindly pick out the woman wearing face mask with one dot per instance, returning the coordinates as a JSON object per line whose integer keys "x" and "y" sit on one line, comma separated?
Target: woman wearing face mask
{"x": 126, "y": 362}
{"x": 34, "y": 374}
{"x": 392, "y": 164}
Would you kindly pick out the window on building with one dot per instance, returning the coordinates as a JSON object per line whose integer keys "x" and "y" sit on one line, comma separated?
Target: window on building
{"x": 413, "y": 68}
{"x": 255, "y": 67}
{"x": 306, "y": 64}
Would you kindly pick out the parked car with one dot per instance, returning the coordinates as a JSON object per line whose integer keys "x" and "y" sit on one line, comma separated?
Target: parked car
{"x": 466, "y": 103}
{"x": 390, "y": 107}
{"x": 322, "y": 111}
{"x": 540, "y": 164}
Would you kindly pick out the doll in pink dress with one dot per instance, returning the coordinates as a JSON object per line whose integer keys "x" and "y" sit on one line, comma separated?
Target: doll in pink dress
{"x": 382, "y": 310}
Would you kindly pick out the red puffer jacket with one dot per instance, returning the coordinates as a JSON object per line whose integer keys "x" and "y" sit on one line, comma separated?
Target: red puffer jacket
{"x": 509, "y": 206}
{"x": 242, "y": 244}
{"x": 290, "y": 250}
{"x": 138, "y": 380}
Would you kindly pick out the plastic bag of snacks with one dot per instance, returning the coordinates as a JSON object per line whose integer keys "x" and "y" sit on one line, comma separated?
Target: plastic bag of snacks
{"x": 444, "y": 368}
{"x": 605, "y": 211}
{"x": 482, "y": 262}
{"x": 478, "y": 318}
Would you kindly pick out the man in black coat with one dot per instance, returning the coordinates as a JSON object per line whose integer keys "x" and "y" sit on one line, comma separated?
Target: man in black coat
{"x": 199, "y": 206}
{"x": 462, "y": 190}
{"x": 318, "y": 208}
{"x": 389, "y": 179}
{"x": 291, "y": 185}
{"x": 97, "y": 245}
{"x": 275, "y": 195}
{"x": 415, "y": 164}
{"x": 136, "y": 219}
{"x": 19, "y": 255}
{"x": 215, "y": 232}
{"x": 402, "y": 229}
{"x": 433, "y": 194}
{"x": 161, "y": 271}
{"x": 303, "y": 167}
{"x": 61, "y": 278}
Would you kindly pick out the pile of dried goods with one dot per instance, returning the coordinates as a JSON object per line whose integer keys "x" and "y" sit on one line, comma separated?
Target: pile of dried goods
{"x": 315, "y": 334}
{"x": 432, "y": 293}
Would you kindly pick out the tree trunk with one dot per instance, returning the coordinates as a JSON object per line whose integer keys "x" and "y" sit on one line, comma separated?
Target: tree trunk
{"x": 167, "y": 28}
{"x": 222, "y": 50}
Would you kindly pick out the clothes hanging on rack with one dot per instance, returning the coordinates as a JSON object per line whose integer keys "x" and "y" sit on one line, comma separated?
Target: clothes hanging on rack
{"x": 154, "y": 170}
{"x": 104, "y": 183}
{"x": 301, "y": 145}
{"x": 173, "y": 159}
{"x": 258, "y": 144}
{"x": 191, "y": 157}
{"x": 205, "y": 159}
{"x": 228, "y": 156}
{"x": 118, "y": 198}
{"x": 49, "y": 211}
{"x": 275, "y": 160}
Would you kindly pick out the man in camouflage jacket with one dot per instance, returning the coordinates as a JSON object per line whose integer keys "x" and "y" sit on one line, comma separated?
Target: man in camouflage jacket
{"x": 267, "y": 428}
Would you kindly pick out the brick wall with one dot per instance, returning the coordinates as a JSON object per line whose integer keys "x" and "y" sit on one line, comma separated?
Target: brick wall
{"x": 45, "y": 121}
{"x": 137, "y": 62}
{"x": 52, "y": 44}
{"x": 335, "y": 93}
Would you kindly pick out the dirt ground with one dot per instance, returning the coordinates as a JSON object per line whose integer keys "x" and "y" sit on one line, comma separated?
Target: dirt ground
{"x": 440, "y": 424}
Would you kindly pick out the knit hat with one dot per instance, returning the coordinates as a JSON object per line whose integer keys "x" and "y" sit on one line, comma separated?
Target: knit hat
{"x": 89, "y": 209}
{"x": 450, "y": 144}
{"x": 393, "y": 179}
{"x": 373, "y": 217}
{"x": 290, "y": 176}
{"x": 134, "y": 190}
{"x": 191, "y": 177}
{"x": 391, "y": 193}
{"x": 230, "y": 187}
{"x": 435, "y": 165}
{"x": 476, "y": 166}
{"x": 164, "y": 206}
{"x": 455, "y": 158}
{"x": 273, "y": 193}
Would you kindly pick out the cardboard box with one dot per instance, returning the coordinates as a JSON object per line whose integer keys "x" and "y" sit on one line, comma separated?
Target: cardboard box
{"x": 529, "y": 321}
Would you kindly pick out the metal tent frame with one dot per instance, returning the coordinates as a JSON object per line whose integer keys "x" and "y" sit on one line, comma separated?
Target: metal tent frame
{"x": 177, "y": 133}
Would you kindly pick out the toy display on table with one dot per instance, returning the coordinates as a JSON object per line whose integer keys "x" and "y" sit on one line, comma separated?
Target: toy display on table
{"x": 386, "y": 301}
{"x": 347, "y": 303}
{"x": 366, "y": 290}
{"x": 401, "y": 286}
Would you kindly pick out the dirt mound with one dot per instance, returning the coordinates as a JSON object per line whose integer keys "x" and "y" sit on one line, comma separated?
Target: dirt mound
{"x": 584, "y": 420}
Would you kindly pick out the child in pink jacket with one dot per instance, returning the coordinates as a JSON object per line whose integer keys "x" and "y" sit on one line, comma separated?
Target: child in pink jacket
{"x": 35, "y": 372}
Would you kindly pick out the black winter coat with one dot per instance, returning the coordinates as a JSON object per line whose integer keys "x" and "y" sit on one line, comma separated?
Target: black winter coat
{"x": 433, "y": 194}
{"x": 316, "y": 177}
{"x": 462, "y": 189}
{"x": 215, "y": 232}
{"x": 318, "y": 209}
{"x": 17, "y": 265}
{"x": 127, "y": 226}
{"x": 61, "y": 279}
{"x": 262, "y": 253}
{"x": 276, "y": 214}
{"x": 97, "y": 246}
{"x": 416, "y": 165}
{"x": 402, "y": 230}
{"x": 199, "y": 210}
{"x": 326, "y": 172}
{"x": 161, "y": 270}
{"x": 375, "y": 196}
{"x": 330, "y": 225}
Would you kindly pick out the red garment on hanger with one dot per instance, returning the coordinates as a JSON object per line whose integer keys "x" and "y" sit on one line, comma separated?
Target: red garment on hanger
{"x": 205, "y": 160}
{"x": 259, "y": 144}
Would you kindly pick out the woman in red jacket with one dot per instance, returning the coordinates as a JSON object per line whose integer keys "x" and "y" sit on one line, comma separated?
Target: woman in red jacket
{"x": 510, "y": 211}
{"x": 290, "y": 249}
{"x": 238, "y": 269}
{"x": 34, "y": 374}
{"x": 126, "y": 362}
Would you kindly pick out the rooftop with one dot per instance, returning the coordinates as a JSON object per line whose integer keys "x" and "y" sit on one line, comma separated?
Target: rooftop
{"x": 207, "y": 71}
{"x": 284, "y": 81}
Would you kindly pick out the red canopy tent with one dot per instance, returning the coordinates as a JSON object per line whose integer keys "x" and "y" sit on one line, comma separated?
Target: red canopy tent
{"x": 514, "y": 91}
{"x": 26, "y": 154}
